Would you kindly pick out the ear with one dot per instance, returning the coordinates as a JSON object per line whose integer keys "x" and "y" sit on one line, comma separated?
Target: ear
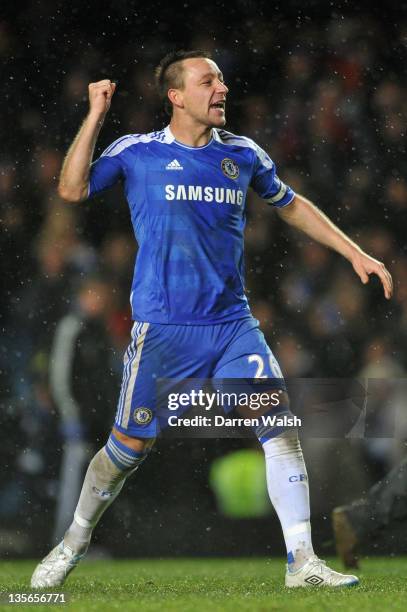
{"x": 176, "y": 98}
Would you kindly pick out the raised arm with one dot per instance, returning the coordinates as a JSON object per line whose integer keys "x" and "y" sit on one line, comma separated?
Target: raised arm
{"x": 305, "y": 216}
{"x": 74, "y": 178}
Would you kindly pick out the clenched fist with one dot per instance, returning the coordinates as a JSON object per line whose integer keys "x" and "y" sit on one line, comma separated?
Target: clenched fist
{"x": 100, "y": 96}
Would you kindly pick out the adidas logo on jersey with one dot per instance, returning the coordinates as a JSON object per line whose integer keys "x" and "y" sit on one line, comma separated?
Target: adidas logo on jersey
{"x": 174, "y": 165}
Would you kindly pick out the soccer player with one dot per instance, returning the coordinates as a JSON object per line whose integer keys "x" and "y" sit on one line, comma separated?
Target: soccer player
{"x": 186, "y": 187}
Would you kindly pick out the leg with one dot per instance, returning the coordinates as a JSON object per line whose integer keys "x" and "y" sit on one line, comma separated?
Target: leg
{"x": 249, "y": 357}
{"x": 127, "y": 447}
{"x": 104, "y": 479}
{"x": 287, "y": 484}
{"x": 106, "y": 474}
{"x": 385, "y": 503}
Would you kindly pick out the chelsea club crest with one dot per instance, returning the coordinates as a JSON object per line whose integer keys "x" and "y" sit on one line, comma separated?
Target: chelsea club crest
{"x": 230, "y": 168}
{"x": 142, "y": 416}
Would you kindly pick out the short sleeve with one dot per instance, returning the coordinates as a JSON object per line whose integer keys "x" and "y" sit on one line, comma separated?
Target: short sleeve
{"x": 266, "y": 183}
{"x": 105, "y": 171}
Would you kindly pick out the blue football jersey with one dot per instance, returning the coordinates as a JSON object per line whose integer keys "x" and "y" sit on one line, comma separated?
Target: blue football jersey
{"x": 188, "y": 209}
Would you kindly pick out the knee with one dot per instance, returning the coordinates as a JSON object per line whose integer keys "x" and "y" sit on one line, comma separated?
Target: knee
{"x": 274, "y": 418}
{"x": 125, "y": 452}
{"x": 139, "y": 445}
{"x": 287, "y": 443}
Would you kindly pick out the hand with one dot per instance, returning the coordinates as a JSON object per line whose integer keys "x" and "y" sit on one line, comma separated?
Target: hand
{"x": 100, "y": 97}
{"x": 364, "y": 265}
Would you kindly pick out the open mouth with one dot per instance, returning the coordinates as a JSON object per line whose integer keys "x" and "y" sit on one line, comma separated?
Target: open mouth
{"x": 220, "y": 105}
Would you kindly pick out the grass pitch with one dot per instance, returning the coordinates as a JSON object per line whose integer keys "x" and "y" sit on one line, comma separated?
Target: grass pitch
{"x": 195, "y": 585}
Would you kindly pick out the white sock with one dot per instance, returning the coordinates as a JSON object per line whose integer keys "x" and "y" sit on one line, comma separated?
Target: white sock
{"x": 287, "y": 484}
{"x": 103, "y": 482}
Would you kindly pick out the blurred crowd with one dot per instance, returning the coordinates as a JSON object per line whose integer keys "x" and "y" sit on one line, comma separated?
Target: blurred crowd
{"x": 326, "y": 99}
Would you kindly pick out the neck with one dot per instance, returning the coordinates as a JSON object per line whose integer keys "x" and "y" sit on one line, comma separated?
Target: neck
{"x": 190, "y": 133}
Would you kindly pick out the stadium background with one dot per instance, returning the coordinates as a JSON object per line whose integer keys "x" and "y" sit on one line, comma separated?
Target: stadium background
{"x": 324, "y": 91}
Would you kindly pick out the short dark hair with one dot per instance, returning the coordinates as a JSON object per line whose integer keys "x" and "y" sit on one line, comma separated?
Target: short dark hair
{"x": 169, "y": 71}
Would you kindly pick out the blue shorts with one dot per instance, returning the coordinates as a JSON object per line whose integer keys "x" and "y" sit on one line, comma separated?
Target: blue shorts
{"x": 235, "y": 349}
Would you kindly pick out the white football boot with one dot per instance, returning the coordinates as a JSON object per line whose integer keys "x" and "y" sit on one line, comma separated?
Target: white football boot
{"x": 55, "y": 567}
{"x": 315, "y": 573}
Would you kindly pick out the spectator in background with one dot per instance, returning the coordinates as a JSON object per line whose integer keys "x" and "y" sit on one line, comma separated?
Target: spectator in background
{"x": 61, "y": 260}
{"x": 385, "y": 420}
{"x": 116, "y": 258}
{"x": 83, "y": 387}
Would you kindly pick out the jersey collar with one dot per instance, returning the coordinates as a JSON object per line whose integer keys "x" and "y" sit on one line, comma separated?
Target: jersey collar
{"x": 170, "y": 138}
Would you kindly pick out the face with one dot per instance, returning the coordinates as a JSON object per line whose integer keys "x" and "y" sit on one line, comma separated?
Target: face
{"x": 94, "y": 299}
{"x": 203, "y": 96}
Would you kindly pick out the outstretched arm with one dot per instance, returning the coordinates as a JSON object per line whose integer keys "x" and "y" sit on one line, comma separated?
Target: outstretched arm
{"x": 74, "y": 178}
{"x": 305, "y": 216}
